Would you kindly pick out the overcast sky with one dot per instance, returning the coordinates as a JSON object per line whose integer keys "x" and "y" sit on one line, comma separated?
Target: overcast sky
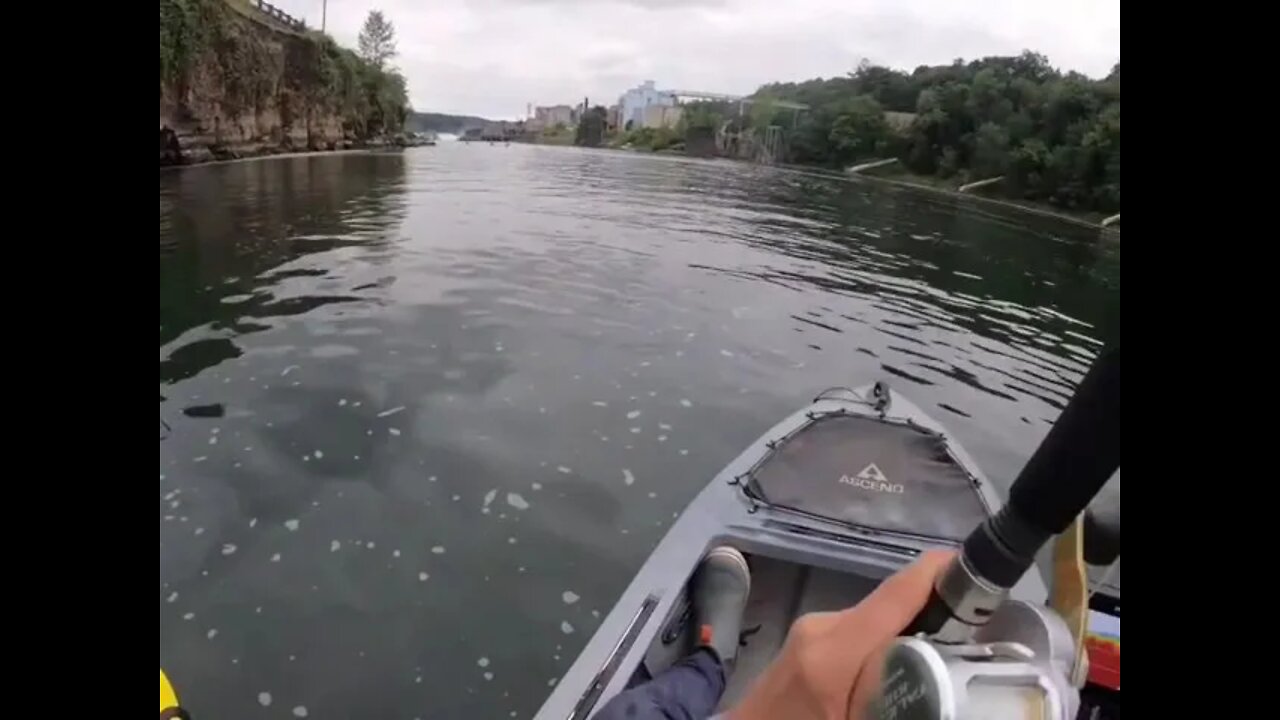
{"x": 492, "y": 57}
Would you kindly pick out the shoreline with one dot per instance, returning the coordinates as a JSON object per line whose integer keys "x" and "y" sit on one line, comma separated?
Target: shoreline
{"x": 1084, "y": 219}
{"x": 1089, "y": 219}
{"x": 280, "y": 155}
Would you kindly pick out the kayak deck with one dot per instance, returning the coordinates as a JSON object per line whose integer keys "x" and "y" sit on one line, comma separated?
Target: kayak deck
{"x": 825, "y": 505}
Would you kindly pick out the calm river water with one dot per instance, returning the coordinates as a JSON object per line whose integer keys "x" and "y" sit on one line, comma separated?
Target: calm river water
{"x": 423, "y": 414}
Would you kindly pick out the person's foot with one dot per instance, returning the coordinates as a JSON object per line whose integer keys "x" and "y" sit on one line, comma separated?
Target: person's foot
{"x": 720, "y": 588}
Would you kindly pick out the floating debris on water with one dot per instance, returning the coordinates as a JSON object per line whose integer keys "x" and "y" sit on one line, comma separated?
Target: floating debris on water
{"x": 565, "y": 627}
{"x": 563, "y": 469}
{"x": 264, "y": 699}
{"x": 300, "y": 711}
{"x": 683, "y": 451}
{"x": 663, "y": 426}
{"x": 275, "y": 558}
{"x": 228, "y": 549}
{"x": 488, "y": 675}
{"x": 686, "y": 402}
{"x": 252, "y": 522}
{"x": 511, "y": 541}
{"x": 599, "y": 403}
{"x": 483, "y": 662}
{"x": 342, "y": 401}
{"x": 291, "y": 525}
{"x": 551, "y": 682}
{"x": 334, "y": 546}
{"x": 431, "y": 479}
{"x": 516, "y": 501}
{"x": 394, "y": 431}
{"x": 635, "y": 429}
{"x": 189, "y": 616}
{"x": 422, "y": 577}
{"x": 653, "y": 494}
{"x": 201, "y": 458}
{"x": 199, "y": 531}
{"x": 726, "y": 353}
{"x": 395, "y": 553}
{"x": 173, "y": 597}
{"x": 633, "y": 414}
{"x": 213, "y": 633}
{"x": 392, "y": 411}
{"x": 318, "y": 454}
{"x": 627, "y": 477}
{"x": 438, "y": 549}
{"x": 570, "y": 597}
{"x": 536, "y": 486}
{"x": 288, "y": 370}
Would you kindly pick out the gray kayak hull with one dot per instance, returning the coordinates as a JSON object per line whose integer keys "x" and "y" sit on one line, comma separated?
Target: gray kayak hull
{"x": 724, "y": 512}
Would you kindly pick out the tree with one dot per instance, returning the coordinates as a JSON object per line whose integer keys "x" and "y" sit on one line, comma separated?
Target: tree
{"x": 591, "y": 127}
{"x": 377, "y": 39}
{"x": 1055, "y": 136}
{"x": 860, "y": 131}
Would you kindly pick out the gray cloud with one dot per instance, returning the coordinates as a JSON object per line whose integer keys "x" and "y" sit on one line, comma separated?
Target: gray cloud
{"x": 492, "y": 57}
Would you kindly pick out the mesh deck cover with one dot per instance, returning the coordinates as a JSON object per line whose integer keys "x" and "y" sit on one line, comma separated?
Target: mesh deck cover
{"x": 862, "y": 471}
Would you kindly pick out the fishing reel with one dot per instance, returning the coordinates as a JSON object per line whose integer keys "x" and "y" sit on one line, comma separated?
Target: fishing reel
{"x": 1020, "y": 665}
{"x": 975, "y": 654}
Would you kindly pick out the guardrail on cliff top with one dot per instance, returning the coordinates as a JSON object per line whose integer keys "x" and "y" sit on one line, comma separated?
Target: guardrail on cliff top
{"x": 279, "y": 15}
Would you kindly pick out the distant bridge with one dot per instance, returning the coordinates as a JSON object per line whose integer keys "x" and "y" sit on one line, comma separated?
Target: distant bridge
{"x": 740, "y": 99}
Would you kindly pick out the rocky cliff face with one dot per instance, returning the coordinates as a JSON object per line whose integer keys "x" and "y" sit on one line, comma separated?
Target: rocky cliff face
{"x": 235, "y": 85}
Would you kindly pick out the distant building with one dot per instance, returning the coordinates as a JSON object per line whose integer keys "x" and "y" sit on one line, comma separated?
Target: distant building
{"x": 634, "y": 101}
{"x": 553, "y": 115}
{"x": 662, "y": 116}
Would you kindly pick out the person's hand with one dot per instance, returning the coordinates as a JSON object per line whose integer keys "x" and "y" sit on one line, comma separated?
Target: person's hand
{"x": 830, "y": 666}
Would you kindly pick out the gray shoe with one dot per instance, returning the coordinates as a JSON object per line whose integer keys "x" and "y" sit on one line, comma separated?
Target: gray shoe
{"x": 720, "y": 589}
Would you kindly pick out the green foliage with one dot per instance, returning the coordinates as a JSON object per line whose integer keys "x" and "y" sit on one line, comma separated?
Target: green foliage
{"x": 859, "y": 131}
{"x": 248, "y": 68}
{"x": 702, "y": 115}
{"x": 377, "y": 39}
{"x": 184, "y": 33}
{"x": 652, "y": 138}
{"x": 1055, "y": 136}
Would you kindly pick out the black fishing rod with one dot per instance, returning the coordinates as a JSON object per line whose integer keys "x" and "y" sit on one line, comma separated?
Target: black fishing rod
{"x": 1073, "y": 462}
{"x": 972, "y": 652}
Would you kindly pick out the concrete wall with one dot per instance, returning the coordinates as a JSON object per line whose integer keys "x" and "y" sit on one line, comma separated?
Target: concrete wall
{"x": 662, "y": 116}
{"x": 554, "y": 115}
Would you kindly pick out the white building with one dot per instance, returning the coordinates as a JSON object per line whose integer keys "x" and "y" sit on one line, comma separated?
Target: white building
{"x": 634, "y": 101}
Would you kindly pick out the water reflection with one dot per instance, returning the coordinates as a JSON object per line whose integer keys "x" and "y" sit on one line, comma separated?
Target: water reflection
{"x": 409, "y": 401}
{"x": 227, "y": 233}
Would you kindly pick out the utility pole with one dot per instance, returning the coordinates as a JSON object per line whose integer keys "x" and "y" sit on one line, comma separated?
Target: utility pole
{"x": 324, "y": 13}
